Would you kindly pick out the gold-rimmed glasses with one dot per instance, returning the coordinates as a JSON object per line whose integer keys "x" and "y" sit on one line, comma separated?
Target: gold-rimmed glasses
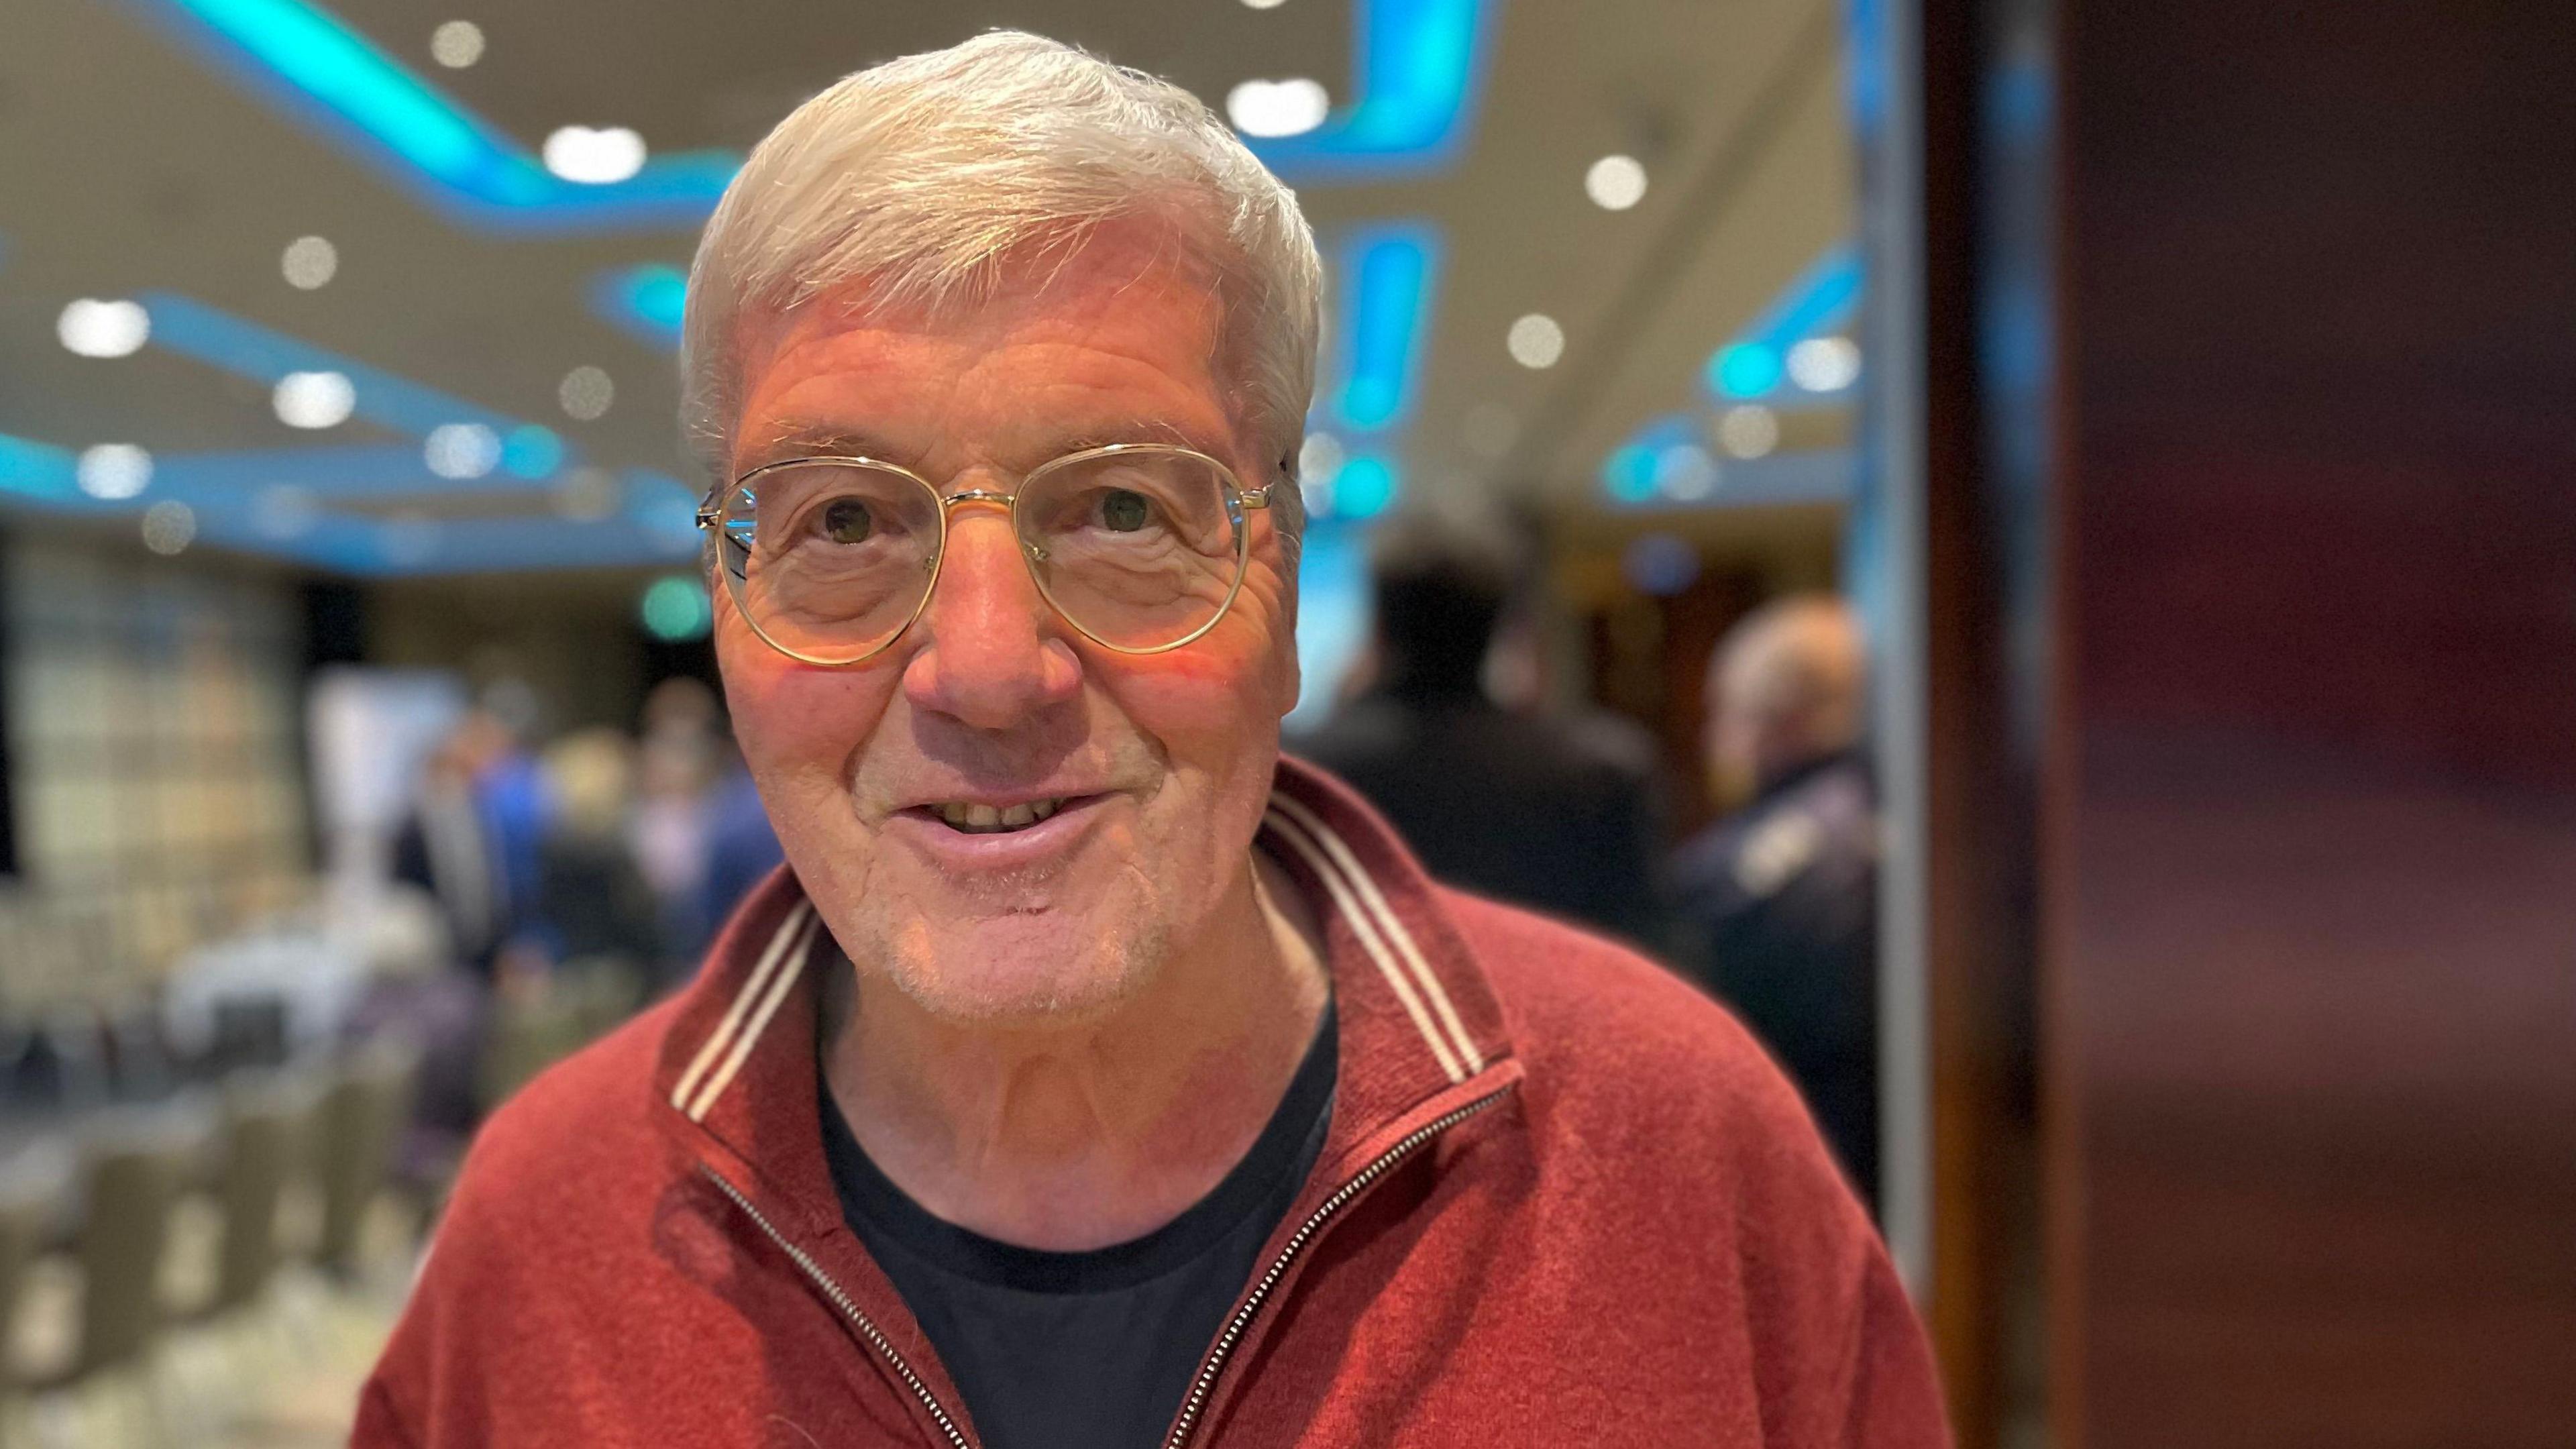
{"x": 1139, "y": 546}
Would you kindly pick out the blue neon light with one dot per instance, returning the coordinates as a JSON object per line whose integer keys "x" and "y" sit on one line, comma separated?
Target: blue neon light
{"x": 1629, "y": 473}
{"x": 39, "y": 471}
{"x": 1387, "y": 276}
{"x": 1366, "y": 487}
{"x": 1746, "y": 369}
{"x": 647, "y": 302}
{"x": 318, "y": 69}
{"x": 1752, "y": 365}
{"x": 220, "y": 488}
{"x": 531, "y": 451}
{"x": 1415, "y": 78}
{"x": 1418, "y": 68}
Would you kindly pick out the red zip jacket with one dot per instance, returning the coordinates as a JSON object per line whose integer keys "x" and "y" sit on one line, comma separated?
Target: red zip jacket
{"x": 1564, "y": 1200}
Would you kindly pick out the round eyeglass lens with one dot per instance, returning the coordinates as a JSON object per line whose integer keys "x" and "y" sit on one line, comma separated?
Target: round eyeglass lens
{"x": 1139, "y": 549}
{"x": 829, "y": 560}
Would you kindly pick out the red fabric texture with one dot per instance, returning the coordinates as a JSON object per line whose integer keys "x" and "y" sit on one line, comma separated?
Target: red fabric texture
{"x": 1632, "y": 1235}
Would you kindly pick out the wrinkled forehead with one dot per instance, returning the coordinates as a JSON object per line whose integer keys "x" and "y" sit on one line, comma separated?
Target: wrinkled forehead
{"x": 1147, "y": 273}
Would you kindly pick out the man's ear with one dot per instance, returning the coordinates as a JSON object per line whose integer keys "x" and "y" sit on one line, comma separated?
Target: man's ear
{"x": 1291, "y": 670}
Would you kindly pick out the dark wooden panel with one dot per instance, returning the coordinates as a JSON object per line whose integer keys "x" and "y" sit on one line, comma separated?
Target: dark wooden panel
{"x": 2311, "y": 891}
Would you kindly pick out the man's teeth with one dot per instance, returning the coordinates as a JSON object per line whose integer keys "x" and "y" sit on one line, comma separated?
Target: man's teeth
{"x": 987, "y": 819}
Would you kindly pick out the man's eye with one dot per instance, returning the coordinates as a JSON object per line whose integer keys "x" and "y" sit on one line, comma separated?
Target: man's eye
{"x": 1123, "y": 511}
{"x": 847, "y": 520}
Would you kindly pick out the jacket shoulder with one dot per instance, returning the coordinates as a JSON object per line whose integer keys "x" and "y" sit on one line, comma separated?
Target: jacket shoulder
{"x": 1626, "y": 1055}
{"x": 551, "y": 1153}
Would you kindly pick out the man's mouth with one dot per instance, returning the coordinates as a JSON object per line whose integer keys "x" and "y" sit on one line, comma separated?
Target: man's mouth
{"x": 974, "y": 818}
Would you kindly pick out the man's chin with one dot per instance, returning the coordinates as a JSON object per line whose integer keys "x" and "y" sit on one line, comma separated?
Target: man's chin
{"x": 1034, "y": 968}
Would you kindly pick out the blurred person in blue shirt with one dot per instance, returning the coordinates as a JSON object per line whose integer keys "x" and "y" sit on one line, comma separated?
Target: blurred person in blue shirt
{"x": 1557, "y": 811}
{"x": 1783, "y": 890}
{"x": 473, "y": 837}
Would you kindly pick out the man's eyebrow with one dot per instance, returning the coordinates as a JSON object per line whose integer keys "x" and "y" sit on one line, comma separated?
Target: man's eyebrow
{"x": 818, "y": 440}
{"x": 1141, "y": 430}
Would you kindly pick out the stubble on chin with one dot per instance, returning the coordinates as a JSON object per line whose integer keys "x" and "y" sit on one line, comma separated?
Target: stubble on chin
{"x": 1014, "y": 949}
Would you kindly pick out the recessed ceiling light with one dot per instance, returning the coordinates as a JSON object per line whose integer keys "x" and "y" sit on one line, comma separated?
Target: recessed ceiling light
{"x": 1615, "y": 183}
{"x": 594, "y": 156}
{"x": 314, "y": 399}
{"x": 456, "y": 44}
{"x": 1321, "y": 457}
{"x": 169, "y": 526}
{"x": 94, "y": 328}
{"x": 1749, "y": 431}
{"x": 1289, "y": 107}
{"x": 585, "y": 393}
{"x": 461, "y": 450}
{"x": 113, "y": 470}
{"x": 1263, "y": 4}
{"x": 1825, "y": 364}
{"x": 1536, "y": 341}
{"x": 310, "y": 262}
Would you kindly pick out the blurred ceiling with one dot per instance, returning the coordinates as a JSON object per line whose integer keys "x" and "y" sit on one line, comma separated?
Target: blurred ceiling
{"x": 169, "y": 151}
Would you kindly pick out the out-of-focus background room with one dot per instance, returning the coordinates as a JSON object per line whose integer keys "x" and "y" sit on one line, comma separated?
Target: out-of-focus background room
{"x": 2027, "y": 547}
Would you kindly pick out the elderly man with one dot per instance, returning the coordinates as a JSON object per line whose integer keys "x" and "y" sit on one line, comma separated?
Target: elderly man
{"x": 1093, "y": 1076}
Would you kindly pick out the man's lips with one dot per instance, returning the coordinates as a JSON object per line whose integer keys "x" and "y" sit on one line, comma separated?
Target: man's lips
{"x": 989, "y": 814}
{"x": 998, "y": 846}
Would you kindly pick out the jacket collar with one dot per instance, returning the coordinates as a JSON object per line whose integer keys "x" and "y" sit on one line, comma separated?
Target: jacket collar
{"x": 1416, "y": 1016}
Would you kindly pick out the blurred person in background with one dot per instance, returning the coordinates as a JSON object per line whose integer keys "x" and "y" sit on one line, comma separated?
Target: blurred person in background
{"x": 471, "y": 839}
{"x": 677, "y": 763}
{"x": 1096, "y": 1076}
{"x": 1555, "y": 811}
{"x": 1784, "y": 889}
{"x": 742, "y": 847}
{"x": 592, "y": 900}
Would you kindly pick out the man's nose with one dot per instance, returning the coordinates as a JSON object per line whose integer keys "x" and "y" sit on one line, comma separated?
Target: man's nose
{"x": 993, "y": 653}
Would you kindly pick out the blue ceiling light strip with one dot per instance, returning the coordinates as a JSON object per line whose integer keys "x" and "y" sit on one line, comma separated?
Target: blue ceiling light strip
{"x": 646, "y": 302}
{"x": 222, "y": 491}
{"x": 330, "y": 474}
{"x": 1415, "y": 80}
{"x": 39, "y": 471}
{"x": 1416, "y": 74}
{"x": 1388, "y": 276}
{"x": 1629, "y": 473}
{"x": 192, "y": 329}
{"x": 310, "y": 64}
{"x": 1753, "y": 367}
{"x": 1756, "y": 362}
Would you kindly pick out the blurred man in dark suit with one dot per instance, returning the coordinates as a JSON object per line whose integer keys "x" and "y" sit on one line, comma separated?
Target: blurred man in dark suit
{"x": 1784, "y": 889}
{"x": 1548, "y": 810}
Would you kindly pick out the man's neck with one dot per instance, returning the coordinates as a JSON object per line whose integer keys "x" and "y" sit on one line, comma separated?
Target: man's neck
{"x": 1078, "y": 1137}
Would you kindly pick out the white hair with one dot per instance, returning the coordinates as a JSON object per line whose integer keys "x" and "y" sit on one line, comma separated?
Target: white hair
{"x": 925, "y": 175}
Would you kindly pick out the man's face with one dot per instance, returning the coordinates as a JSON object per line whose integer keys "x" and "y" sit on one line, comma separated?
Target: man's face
{"x": 1162, "y": 761}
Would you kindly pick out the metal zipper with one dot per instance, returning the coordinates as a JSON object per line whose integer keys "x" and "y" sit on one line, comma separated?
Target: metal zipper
{"x": 1214, "y": 1363}
{"x": 849, "y": 1306}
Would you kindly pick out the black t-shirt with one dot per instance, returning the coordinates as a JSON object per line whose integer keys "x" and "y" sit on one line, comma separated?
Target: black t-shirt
{"x": 1086, "y": 1350}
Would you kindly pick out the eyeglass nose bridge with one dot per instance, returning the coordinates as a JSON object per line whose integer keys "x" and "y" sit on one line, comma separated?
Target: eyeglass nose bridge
{"x": 999, "y": 499}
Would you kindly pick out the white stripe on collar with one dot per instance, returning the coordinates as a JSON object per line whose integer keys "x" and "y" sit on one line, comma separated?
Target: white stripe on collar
{"x": 1381, "y": 933}
{"x": 742, "y": 1003}
{"x": 1375, "y": 900}
{"x": 1289, "y": 830}
{"x": 723, "y": 1075}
